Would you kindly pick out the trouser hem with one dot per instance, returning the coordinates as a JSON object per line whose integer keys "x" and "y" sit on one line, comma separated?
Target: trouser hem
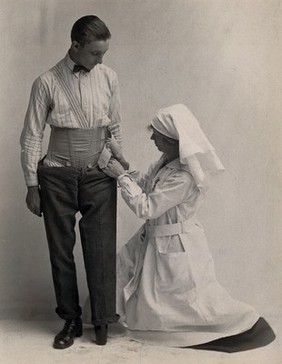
{"x": 106, "y": 321}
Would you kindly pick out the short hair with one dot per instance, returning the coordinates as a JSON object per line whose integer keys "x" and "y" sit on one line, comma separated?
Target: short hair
{"x": 88, "y": 28}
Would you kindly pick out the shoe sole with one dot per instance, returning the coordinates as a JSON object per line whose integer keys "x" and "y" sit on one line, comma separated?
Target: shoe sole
{"x": 101, "y": 343}
{"x": 57, "y": 346}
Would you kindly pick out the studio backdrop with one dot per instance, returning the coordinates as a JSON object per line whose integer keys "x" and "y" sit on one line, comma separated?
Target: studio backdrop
{"x": 220, "y": 58}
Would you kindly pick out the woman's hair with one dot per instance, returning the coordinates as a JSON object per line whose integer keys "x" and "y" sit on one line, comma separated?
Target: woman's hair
{"x": 89, "y": 28}
{"x": 170, "y": 140}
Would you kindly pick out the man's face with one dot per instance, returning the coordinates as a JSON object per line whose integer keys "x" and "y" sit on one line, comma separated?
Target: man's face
{"x": 92, "y": 53}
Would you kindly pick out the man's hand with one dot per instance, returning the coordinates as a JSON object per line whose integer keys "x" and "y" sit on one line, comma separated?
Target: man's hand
{"x": 113, "y": 146}
{"x": 33, "y": 200}
{"x": 114, "y": 168}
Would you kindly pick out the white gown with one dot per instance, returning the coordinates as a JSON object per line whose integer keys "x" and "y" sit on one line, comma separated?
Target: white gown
{"x": 167, "y": 291}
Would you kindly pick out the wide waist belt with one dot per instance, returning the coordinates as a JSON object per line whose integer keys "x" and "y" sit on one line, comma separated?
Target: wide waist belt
{"x": 171, "y": 229}
{"x": 75, "y": 147}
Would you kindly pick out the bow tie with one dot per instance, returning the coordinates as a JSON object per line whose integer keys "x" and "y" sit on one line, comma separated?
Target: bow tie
{"x": 78, "y": 68}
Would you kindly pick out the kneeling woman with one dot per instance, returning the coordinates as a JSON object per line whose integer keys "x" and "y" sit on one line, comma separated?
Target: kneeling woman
{"x": 167, "y": 290}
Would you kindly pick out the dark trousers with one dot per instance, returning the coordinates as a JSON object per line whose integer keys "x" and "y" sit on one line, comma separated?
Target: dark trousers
{"x": 64, "y": 192}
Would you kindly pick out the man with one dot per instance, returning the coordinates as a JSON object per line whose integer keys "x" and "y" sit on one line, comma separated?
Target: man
{"x": 79, "y": 98}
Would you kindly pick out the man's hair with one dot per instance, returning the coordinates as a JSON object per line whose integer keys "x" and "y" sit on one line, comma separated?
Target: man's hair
{"x": 89, "y": 28}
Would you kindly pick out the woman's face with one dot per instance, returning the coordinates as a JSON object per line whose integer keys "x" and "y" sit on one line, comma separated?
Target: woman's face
{"x": 161, "y": 141}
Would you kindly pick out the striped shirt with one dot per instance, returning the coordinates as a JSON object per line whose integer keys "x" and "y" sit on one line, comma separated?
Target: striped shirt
{"x": 96, "y": 91}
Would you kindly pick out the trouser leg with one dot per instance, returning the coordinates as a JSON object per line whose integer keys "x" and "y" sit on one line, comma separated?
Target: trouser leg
{"x": 59, "y": 206}
{"x": 97, "y": 204}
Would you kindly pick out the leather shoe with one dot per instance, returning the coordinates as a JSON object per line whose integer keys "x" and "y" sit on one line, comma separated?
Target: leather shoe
{"x": 65, "y": 338}
{"x": 101, "y": 332}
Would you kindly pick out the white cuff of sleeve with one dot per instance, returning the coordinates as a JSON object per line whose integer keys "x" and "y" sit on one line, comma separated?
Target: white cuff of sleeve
{"x": 122, "y": 179}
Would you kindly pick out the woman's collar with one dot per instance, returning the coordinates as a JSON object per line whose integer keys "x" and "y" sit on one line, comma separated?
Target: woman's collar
{"x": 176, "y": 164}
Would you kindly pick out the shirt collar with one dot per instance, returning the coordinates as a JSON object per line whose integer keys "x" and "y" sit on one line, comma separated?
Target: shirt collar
{"x": 69, "y": 62}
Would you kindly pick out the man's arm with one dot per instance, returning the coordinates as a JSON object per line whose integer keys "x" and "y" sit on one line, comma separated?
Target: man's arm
{"x": 31, "y": 143}
{"x": 115, "y": 125}
{"x": 115, "y": 112}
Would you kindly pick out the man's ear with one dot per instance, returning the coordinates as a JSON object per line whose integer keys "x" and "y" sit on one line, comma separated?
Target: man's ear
{"x": 75, "y": 46}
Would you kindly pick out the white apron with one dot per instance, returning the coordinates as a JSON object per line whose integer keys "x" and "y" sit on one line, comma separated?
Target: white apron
{"x": 167, "y": 291}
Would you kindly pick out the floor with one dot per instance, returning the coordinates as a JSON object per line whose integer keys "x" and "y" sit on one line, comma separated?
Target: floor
{"x": 30, "y": 342}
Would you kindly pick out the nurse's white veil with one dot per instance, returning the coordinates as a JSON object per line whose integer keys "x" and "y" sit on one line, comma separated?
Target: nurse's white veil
{"x": 195, "y": 150}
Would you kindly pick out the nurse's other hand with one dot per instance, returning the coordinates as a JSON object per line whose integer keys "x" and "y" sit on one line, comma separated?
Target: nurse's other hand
{"x": 114, "y": 168}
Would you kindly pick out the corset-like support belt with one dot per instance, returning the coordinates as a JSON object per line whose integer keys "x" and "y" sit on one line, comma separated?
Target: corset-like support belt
{"x": 78, "y": 148}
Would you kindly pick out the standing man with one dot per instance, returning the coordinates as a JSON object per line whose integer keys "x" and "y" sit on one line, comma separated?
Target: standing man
{"x": 79, "y": 98}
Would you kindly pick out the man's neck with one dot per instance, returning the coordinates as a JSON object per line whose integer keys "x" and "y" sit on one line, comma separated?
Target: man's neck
{"x": 72, "y": 56}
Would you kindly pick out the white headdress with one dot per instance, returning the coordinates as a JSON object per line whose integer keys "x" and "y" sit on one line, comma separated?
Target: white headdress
{"x": 195, "y": 150}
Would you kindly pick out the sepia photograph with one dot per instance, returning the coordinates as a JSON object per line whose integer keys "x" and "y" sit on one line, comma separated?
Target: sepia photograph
{"x": 141, "y": 181}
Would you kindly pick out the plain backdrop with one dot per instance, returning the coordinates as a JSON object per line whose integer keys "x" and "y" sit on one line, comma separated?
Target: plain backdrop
{"x": 223, "y": 60}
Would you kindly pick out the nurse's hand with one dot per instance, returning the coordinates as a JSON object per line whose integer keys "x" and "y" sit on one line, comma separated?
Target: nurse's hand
{"x": 114, "y": 168}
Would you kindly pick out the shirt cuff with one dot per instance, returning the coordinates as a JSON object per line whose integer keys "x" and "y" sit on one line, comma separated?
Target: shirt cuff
{"x": 31, "y": 181}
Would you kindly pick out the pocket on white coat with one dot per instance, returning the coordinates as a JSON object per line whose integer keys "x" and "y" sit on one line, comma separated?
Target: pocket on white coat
{"x": 173, "y": 269}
